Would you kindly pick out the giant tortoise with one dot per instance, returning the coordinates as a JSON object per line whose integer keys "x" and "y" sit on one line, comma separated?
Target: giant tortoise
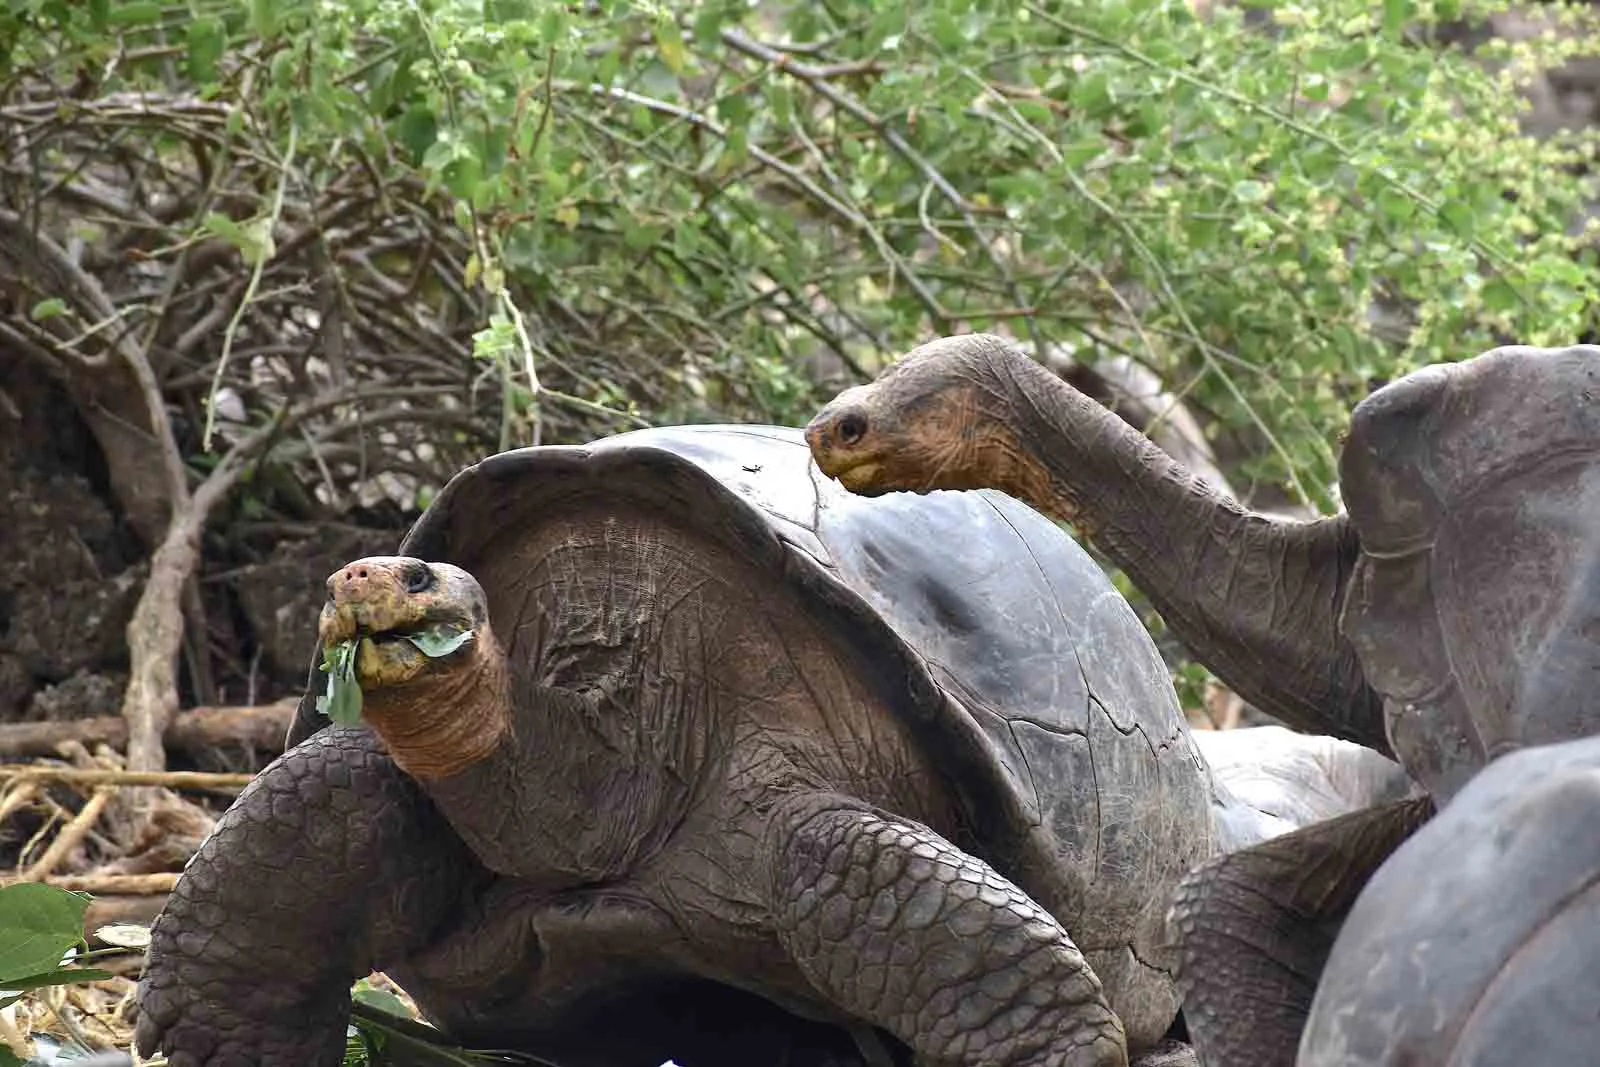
{"x": 1447, "y": 617}
{"x": 911, "y": 765}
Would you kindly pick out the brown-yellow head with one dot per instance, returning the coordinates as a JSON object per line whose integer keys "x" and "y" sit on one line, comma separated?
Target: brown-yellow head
{"x": 938, "y": 418}
{"x": 408, "y": 648}
{"x": 388, "y": 604}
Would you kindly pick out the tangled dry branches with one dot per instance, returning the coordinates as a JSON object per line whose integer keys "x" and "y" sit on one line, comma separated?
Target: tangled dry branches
{"x": 325, "y": 330}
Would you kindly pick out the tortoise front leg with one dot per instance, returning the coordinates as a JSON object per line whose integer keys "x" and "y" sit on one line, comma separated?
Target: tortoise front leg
{"x": 1254, "y": 929}
{"x": 898, "y": 926}
{"x": 329, "y": 864}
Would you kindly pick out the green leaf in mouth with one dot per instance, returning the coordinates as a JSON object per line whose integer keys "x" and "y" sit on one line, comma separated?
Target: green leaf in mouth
{"x": 341, "y": 701}
{"x": 440, "y": 640}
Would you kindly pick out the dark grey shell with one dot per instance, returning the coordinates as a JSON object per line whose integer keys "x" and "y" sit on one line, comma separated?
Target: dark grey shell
{"x": 1475, "y": 604}
{"x": 1474, "y": 945}
{"x": 1023, "y": 672}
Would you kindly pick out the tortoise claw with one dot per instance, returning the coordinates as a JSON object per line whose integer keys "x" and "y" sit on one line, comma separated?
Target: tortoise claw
{"x": 205, "y": 1033}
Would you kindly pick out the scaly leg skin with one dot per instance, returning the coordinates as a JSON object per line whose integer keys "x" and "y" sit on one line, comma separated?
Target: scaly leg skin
{"x": 329, "y": 864}
{"x": 901, "y": 928}
{"x": 1255, "y": 928}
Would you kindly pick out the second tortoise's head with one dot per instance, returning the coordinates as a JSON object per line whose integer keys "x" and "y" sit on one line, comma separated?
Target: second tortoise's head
{"x": 938, "y": 418}
{"x": 433, "y": 680}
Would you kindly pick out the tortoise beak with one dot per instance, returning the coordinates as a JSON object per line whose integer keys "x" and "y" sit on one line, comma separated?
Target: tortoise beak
{"x": 819, "y": 439}
{"x": 368, "y": 594}
{"x": 833, "y": 434}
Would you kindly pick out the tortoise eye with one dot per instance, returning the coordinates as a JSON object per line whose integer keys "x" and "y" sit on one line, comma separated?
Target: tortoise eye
{"x": 418, "y": 579}
{"x": 851, "y": 428}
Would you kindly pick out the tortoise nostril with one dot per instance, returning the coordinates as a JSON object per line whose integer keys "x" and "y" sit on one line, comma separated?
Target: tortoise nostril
{"x": 362, "y": 573}
{"x": 851, "y": 427}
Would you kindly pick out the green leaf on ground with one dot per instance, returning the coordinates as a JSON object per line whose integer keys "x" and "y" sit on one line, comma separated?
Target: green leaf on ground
{"x": 38, "y": 923}
{"x": 380, "y": 1000}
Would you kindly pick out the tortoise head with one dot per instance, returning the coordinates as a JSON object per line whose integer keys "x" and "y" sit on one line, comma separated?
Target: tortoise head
{"x": 437, "y": 699}
{"x": 384, "y": 602}
{"x": 936, "y": 419}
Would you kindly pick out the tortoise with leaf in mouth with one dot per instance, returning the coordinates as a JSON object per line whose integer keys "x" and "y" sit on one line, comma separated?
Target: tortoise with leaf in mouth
{"x": 1447, "y": 617}
{"x": 672, "y": 715}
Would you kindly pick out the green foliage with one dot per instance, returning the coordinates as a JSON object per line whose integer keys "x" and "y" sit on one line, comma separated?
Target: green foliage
{"x": 693, "y": 210}
{"x": 440, "y": 640}
{"x": 364, "y": 1041}
{"x": 364, "y": 992}
{"x": 1272, "y": 217}
{"x": 39, "y": 924}
{"x": 382, "y": 1030}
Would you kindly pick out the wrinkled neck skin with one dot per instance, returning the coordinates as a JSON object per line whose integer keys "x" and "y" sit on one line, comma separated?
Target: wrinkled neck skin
{"x": 572, "y": 793}
{"x": 460, "y": 735}
{"x": 437, "y": 725}
{"x": 1255, "y": 598}
{"x": 456, "y": 732}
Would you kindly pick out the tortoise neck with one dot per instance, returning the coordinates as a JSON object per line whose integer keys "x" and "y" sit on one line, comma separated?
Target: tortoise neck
{"x": 1255, "y": 598}
{"x": 439, "y": 726}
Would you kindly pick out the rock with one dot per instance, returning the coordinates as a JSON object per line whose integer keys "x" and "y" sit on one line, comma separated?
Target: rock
{"x": 83, "y": 695}
{"x": 59, "y": 628}
{"x": 15, "y": 685}
{"x": 66, "y": 592}
{"x": 56, "y": 530}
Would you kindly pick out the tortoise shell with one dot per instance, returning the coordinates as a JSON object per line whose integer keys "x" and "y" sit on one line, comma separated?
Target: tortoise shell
{"x": 1018, "y": 667}
{"x": 1475, "y": 604}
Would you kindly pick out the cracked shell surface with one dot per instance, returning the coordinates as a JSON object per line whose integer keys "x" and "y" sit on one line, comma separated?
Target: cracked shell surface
{"x": 1474, "y": 944}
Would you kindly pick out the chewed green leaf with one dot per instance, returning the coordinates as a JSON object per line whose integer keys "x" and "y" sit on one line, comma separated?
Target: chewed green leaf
{"x": 380, "y": 999}
{"x": 344, "y": 702}
{"x": 334, "y": 655}
{"x": 439, "y": 641}
{"x": 341, "y": 700}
